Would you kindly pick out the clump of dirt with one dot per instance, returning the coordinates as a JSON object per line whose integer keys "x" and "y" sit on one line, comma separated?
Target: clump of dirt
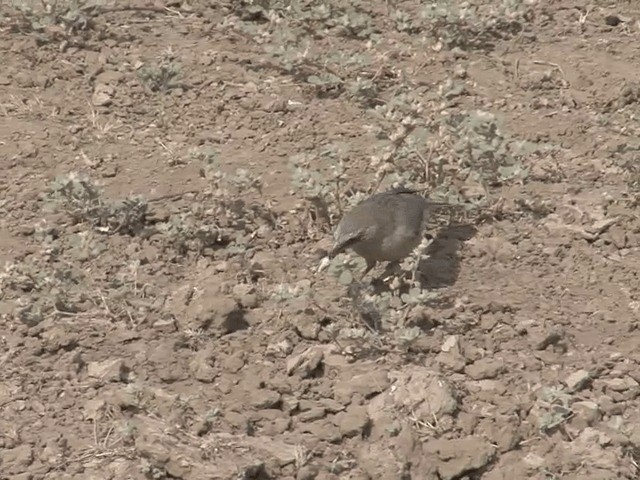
{"x": 172, "y": 172}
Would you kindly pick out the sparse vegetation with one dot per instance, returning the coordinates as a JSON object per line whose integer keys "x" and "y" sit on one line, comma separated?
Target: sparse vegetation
{"x": 82, "y": 200}
{"x": 160, "y": 77}
{"x": 38, "y": 15}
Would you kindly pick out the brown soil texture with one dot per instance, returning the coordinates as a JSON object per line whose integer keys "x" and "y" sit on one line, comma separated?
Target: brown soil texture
{"x": 173, "y": 323}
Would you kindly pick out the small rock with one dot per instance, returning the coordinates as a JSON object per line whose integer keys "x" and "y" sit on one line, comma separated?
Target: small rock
{"x": 210, "y": 310}
{"x": 306, "y": 405}
{"x": 221, "y": 266}
{"x": 308, "y": 327}
{"x": 110, "y": 370}
{"x": 312, "y": 414}
{"x": 25, "y": 230}
{"x": 239, "y": 421}
{"x": 506, "y": 437}
{"x": 306, "y": 363}
{"x": 283, "y": 347}
{"x": 245, "y": 295}
{"x": 354, "y": 421}
{"x": 256, "y": 469}
{"x": 459, "y": 456}
{"x": 24, "y": 79}
{"x": 28, "y": 149}
{"x": 489, "y": 322}
{"x": 94, "y": 409}
{"x": 331, "y": 406}
{"x": 289, "y": 404}
{"x": 165, "y": 326}
{"x": 276, "y": 105}
{"x": 307, "y": 472}
{"x": 618, "y": 236}
{"x": 277, "y": 426}
{"x": 451, "y": 355}
{"x": 615, "y": 423}
{"x": 263, "y": 262}
{"x": 522, "y": 328}
{"x": 109, "y": 77}
{"x": 16, "y": 460}
{"x": 59, "y": 338}
{"x": 201, "y": 366}
{"x": 202, "y": 426}
{"x": 366, "y": 385}
{"x": 421, "y": 317}
{"x": 102, "y": 95}
{"x": 460, "y": 71}
{"x": 233, "y": 363}
{"x": 484, "y": 368}
{"x": 381, "y": 462}
{"x": 496, "y": 387}
{"x": 109, "y": 171}
{"x": 451, "y": 343}
{"x": 577, "y": 380}
{"x": 467, "y": 422}
{"x": 426, "y": 394}
{"x": 535, "y": 462}
{"x": 154, "y": 450}
{"x": 549, "y": 338}
{"x": 52, "y": 453}
{"x": 262, "y": 399}
{"x": 322, "y": 430}
{"x": 609, "y": 407}
{"x": 158, "y": 353}
{"x": 621, "y": 384}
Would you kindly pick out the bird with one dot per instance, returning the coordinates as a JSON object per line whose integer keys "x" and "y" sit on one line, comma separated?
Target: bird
{"x": 387, "y": 226}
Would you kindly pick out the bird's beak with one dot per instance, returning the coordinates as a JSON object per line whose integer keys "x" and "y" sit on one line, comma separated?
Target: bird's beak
{"x": 336, "y": 250}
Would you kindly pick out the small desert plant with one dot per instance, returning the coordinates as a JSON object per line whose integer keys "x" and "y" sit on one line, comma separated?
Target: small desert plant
{"x": 472, "y": 26}
{"x": 82, "y": 200}
{"x": 484, "y": 150}
{"x": 224, "y": 219}
{"x": 321, "y": 192}
{"x": 159, "y": 77}
{"x": 72, "y": 15}
{"x": 554, "y": 406}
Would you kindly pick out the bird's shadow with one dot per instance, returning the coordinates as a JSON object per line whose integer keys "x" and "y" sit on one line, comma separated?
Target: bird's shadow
{"x": 442, "y": 266}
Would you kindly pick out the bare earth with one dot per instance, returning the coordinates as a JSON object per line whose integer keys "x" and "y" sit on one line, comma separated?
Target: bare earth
{"x": 186, "y": 334}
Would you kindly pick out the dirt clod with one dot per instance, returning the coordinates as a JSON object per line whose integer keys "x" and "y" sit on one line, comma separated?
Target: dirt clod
{"x": 114, "y": 370}
{"x": 577, "y": 380}
{"x": 457, "y": 457}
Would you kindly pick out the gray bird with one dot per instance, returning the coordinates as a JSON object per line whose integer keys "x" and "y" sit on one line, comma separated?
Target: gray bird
{"x": 385, "y": 227}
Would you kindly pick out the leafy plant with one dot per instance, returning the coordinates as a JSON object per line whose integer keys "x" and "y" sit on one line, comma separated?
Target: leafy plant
{"x": 160, "y": 77}
{"x": 484, "y": 150}
{"x": 82, "y": 200}
{"x": 555, "y": 405}
{"x": 322, "y": 193}
{"x": 475, "y": 26}
{"x": 72, "y": 15}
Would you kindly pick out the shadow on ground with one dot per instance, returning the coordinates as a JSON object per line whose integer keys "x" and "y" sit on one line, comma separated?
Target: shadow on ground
{"x": 442, "y": 267}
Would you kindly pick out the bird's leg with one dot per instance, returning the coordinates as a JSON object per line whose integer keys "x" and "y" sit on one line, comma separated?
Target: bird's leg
{"x": 415, "y": 272}
{"x": 392, "y": 269}
{"x": 370, "y": 265}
